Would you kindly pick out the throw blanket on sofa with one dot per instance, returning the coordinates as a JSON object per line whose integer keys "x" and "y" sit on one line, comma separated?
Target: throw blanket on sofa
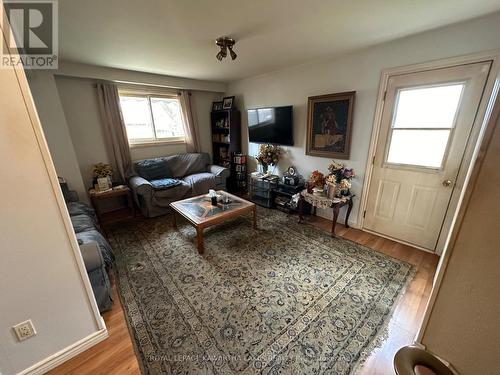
{"x": 164, "y": 183}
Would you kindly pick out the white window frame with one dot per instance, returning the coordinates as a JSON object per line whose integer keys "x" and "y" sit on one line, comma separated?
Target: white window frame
{"x": 389, "y": 164}
{"x": 144, "y": 142}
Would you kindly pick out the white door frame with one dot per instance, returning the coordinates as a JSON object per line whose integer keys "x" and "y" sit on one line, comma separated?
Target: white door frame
{"x": 494, "y": 57}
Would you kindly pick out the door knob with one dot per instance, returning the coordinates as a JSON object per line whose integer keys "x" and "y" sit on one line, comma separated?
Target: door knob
{"x": 446, "y": 183}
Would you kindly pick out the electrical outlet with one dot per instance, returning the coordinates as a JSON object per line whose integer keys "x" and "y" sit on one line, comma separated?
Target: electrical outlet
{"x": 24, "y": 330}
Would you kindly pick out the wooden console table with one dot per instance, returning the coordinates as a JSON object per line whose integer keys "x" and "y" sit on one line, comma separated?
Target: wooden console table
{"x": 325, "y": 203}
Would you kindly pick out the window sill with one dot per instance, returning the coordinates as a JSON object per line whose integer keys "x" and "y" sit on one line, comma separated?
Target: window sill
{"x": 156, "y": 143}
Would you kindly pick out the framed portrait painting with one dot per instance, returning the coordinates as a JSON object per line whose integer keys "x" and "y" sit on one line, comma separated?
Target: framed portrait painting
{"x": 329, "y": 125}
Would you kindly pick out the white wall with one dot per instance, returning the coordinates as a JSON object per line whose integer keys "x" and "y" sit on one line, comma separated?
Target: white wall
{"x": 40, "y": 264}
{"x": 360, "y": 72}
{"x": 44, "y": 90}
{"x": 464, "y": 323}
{"x": 75, "y": 100}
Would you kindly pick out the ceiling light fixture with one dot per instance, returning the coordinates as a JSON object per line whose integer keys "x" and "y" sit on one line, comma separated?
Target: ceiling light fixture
{"x": 225, "y": 43}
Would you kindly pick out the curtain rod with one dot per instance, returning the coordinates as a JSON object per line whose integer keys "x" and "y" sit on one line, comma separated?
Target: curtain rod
{"x": 143, "y": 85}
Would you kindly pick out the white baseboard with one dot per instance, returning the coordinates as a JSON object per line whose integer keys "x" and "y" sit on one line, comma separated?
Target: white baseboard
{"x": 65, "y": 354}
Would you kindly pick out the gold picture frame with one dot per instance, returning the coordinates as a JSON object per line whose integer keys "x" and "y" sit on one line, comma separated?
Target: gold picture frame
{"x": 329, "y": 125}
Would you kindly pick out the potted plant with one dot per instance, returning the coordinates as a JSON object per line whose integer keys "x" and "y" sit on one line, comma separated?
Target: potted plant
{"x": 102, "y": 176}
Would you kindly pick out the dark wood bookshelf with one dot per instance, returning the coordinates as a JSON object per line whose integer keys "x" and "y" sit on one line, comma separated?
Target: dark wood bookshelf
{"x": 226, "y": 140}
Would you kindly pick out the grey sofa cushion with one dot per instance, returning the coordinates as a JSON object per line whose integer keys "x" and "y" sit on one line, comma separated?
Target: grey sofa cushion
{"x": 185, "y": 164}
{"x": 94, "y": 263}
{"x": 164, "y": 183}
{"x": 200, "y": 182}
{"x": 153, "y": 169}
{"x": 94, "y": 236}
{"x": 79, "y": 208}
{"x": 82, "y": 223}
{"x": 176, "y": 193}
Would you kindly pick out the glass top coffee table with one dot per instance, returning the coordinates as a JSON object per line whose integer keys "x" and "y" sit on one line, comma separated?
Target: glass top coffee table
{"x": 201, "y": 214}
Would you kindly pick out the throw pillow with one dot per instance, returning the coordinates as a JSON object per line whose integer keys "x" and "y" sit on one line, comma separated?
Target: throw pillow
{"x": 153, "y": 169}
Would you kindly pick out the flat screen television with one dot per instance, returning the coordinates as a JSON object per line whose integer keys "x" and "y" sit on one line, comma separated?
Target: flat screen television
{"x": 272, "y": 125}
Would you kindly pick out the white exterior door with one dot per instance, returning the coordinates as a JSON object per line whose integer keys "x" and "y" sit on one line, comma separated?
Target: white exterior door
{"x": 426, "y": 121}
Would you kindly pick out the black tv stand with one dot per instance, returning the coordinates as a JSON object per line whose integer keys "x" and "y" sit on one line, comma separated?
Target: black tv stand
{"x": 282, "y": 196}
{"x": 272, "y": 193}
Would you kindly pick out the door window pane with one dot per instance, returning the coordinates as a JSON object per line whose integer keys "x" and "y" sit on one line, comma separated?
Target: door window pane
{"x": 167, "y": 117}
{"x": 424, "y": 148}
{"x": 428, "y": 107}
{"x": 137, "y": 117}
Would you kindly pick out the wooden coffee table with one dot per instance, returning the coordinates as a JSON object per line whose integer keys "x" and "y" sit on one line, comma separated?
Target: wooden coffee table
{"x": 200, "y": 212}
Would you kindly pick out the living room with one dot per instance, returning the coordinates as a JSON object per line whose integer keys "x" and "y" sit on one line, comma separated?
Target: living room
{"x": 354, "y": 234}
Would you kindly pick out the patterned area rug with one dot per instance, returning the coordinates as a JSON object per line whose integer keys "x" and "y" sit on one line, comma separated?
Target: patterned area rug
{"x": 286, "y": 298}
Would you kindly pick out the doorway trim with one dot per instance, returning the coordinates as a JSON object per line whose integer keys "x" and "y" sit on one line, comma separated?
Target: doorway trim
{"x": 494, "y": 57}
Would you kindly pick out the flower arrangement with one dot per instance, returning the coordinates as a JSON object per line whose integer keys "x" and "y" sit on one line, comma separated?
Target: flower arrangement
{"x": 331, "y": 179}
{"x": 317, "y": 179}
{"x": 268, "y": 155}
{"x": 341, "y": 175}
{"x": 101, "y": 170}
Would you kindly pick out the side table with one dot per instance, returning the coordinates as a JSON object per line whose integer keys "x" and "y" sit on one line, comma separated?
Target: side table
{"x": 325, "y": 203}
{"x": 100, "y": 199}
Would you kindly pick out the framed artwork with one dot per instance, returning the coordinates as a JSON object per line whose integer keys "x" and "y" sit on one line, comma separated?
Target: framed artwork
{"x": 329, "y": 125}
{"x": 227, "y": 103}
{"x": 216, "y": 106}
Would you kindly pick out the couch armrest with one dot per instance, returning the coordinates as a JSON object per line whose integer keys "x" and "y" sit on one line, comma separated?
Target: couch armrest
{"x": 92, "y": 256}
{"x": 140, "y": 185}
{"x": 219, "y": 171}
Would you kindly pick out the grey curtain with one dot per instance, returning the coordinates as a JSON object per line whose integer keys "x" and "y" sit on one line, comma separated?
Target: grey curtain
{"x": 190, "y": 126}
{"x": 115, "y": 132}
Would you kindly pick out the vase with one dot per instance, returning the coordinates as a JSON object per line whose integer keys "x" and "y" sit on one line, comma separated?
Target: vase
{"x": 330, "y": 190}
{"x": 310, "y": 186}
{"x": 265, "y": 167}
{"x": 338, "y": 191}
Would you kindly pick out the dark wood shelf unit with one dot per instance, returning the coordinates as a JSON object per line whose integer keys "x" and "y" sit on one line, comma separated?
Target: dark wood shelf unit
{"x": 226, "y": 140}
{"x": 239, "y": 166}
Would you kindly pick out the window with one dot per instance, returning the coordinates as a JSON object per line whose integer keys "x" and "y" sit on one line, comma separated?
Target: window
{"x": 423, "y": 121}
{"x": 260, "y": 116}
{"x": 152, "y": 118}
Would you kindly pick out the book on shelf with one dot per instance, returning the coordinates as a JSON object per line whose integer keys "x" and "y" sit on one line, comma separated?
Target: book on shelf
{"x": 240, "y": 159}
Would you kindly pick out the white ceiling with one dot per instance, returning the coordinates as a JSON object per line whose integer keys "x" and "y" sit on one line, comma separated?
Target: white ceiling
{"x": 176, "y": 37}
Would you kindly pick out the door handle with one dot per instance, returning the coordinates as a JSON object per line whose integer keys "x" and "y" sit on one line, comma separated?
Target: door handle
{"x": 447, "y": 183}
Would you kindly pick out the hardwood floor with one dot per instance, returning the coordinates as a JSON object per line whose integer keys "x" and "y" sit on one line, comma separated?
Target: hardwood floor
{"x": 116, "y": 354}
